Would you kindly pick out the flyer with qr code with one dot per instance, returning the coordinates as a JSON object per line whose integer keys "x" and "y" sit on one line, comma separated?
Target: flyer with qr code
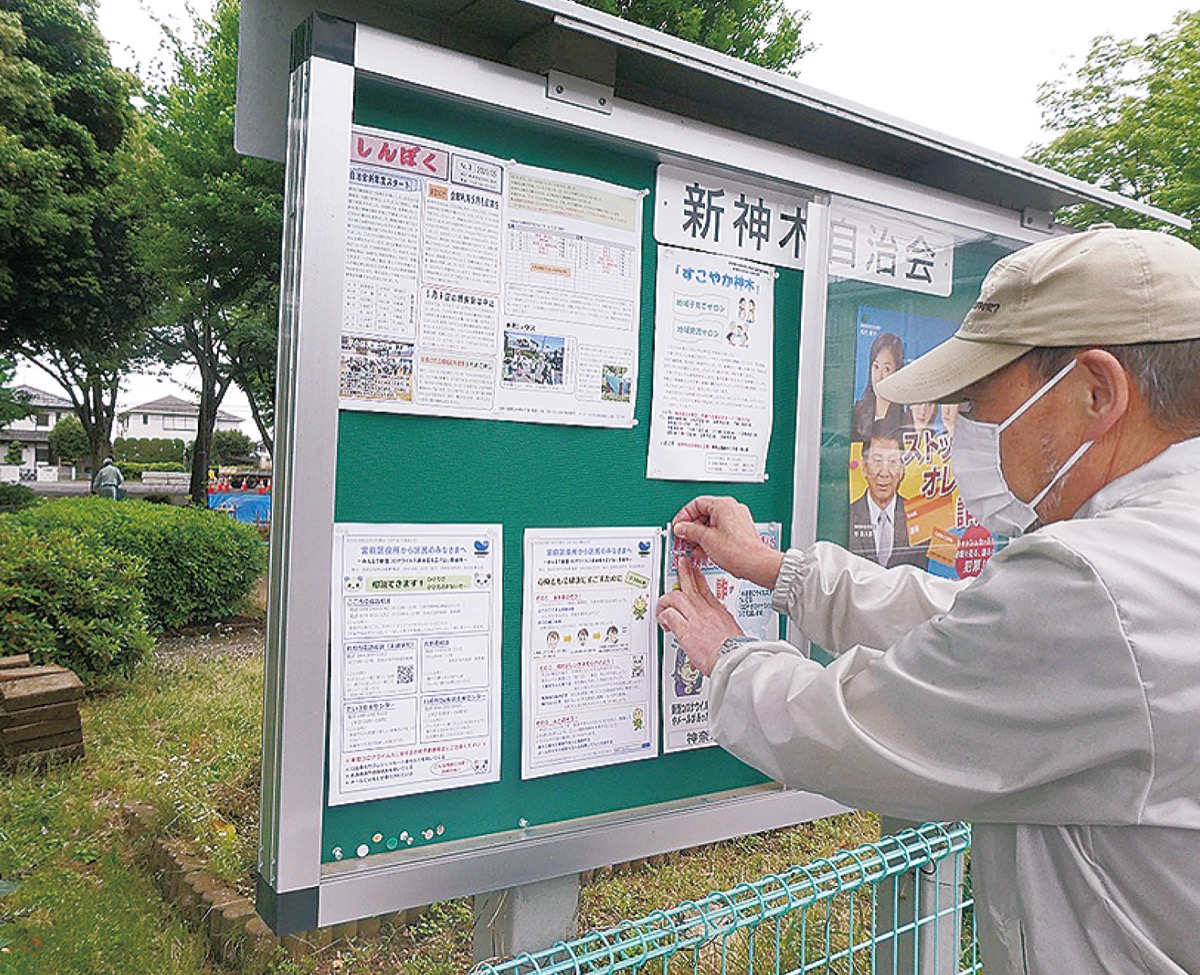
{"x": 415, "y": 669}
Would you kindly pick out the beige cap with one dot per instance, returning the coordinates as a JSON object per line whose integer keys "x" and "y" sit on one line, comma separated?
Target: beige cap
{"x": 1102, "y": 287}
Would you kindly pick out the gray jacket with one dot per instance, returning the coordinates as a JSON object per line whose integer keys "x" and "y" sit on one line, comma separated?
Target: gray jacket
{"x": 1054, "y": 702}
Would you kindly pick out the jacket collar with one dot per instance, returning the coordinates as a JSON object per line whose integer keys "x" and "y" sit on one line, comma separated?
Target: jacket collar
{"x": 1180, "y": 458}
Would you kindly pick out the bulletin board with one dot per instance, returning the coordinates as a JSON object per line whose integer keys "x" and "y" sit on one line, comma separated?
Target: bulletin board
{"x": 326, "y": 859}
{"x": 404, "y": 468}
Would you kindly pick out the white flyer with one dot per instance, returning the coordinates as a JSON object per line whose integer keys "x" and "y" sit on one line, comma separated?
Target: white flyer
{"x": 572, "y": 286}
{"x": 714, "y": 338}
{"x": 589, "y": 692}
{"x": 414, "y": 697}
{"x": 684, "y": 688}
{"x": 476, "y": 287}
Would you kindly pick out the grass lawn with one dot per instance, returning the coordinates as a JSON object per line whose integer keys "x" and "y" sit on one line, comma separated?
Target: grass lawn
{"x": 184, "y": 736}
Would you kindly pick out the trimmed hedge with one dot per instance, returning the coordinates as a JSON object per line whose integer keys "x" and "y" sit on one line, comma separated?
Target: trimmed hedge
{"x": 69, "y": 600}
{"x": 13, "y": 497}
{"x": 200, "y": 565}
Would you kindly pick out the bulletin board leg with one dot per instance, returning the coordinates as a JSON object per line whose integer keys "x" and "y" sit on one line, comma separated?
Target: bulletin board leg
{"x": 526, "y": 918}
{"x": 919, "y": 947}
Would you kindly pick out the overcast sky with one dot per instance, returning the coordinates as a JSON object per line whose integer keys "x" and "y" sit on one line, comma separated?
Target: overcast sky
{"x": 970, "y": 70}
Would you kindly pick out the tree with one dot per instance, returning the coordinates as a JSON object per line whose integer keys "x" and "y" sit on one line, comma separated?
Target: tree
{"x": 232, "y": 447}
{"x": 14, "y": 454}
{"x": 68, "y": 440}
{"x": 214, "y": 240}
{"x": 64, "y": 109}
{"x": 71, "y": 298}
{"x": 763, "y": 32}
{"x": 1127, "y": 118}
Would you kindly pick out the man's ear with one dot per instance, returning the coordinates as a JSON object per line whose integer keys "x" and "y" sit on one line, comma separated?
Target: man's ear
{"x": 1106, "y": 391}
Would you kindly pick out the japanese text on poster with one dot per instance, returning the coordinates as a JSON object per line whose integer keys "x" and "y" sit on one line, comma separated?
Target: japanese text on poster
{"x": 684, "y": 688}
{"x": 714, "y": 341}
{"x": 721, "y": 215}
{"x": 588, "y": 665}
{"x": 415, "y": 670}
{"x": 904, "y": 504}
{"x": 894, "y": 250}
{"x": 479, "y": 288}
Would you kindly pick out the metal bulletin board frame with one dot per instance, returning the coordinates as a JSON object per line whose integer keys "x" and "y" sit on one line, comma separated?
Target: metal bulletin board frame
{"x": 298, "y": 890}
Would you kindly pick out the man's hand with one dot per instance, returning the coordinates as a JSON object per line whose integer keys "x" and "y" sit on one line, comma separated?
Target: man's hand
{"x": 696, "y": 618}
{"x": 725, "y": 532}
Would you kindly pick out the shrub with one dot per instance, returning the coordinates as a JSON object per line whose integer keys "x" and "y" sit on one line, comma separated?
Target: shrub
{"x": 14, "y": 455}
{"x": 68, "y": 441}
{"x": 200, "y": 565}
{"x": 71, "y": 600}
{"x": 13, "y": 497}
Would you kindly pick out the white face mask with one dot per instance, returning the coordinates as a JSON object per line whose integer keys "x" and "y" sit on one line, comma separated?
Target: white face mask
{"x": 977, "y": 469}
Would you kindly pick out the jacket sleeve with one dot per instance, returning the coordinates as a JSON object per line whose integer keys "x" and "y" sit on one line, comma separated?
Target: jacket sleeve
{"x": 839, "y": 599}
{"x": 1021, "y": 704}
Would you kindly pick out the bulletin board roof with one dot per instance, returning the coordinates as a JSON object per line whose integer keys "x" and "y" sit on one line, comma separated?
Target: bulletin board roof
{"x": 649, "y": 67}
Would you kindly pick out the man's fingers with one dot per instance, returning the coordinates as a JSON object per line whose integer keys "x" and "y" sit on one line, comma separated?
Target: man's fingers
{"x": 676, "y": 600}
{"x": 698, "y": 509}
{"x": 670, "y": 619}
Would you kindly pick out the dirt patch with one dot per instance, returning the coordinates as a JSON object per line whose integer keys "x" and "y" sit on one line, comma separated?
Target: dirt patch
{"x": 240, "y": 636}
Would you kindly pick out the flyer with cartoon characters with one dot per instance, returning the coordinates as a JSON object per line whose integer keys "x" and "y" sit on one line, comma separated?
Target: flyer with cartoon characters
{"x": 588, "y": 680}
{"x": 414, "y": 691}
{"x": 684, "y": 688}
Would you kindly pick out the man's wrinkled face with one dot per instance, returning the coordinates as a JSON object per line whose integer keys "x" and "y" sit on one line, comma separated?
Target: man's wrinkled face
{"x": 1029, "y": 449}
{"x": 883, "y": 466}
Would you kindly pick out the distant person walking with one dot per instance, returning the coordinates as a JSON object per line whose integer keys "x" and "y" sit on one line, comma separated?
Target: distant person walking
{"x": 108, "y": 480}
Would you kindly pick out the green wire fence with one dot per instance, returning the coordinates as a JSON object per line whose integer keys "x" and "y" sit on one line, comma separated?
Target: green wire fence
{"x": 900, "y": 906}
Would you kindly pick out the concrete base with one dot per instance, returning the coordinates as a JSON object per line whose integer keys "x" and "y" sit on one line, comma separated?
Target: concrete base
{"x": 527, "y": 918}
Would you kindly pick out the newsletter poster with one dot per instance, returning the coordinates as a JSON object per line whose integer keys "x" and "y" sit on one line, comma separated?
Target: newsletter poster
{"x": 714, "y": 339}
{"x": 904, "y": 504}
{"x": 414, "y": 696}
{"x": 572, "y": 293}
{"x": 475, "y": 287}
{"x": 684, "y": 688}
{"x": 588, "y": 648}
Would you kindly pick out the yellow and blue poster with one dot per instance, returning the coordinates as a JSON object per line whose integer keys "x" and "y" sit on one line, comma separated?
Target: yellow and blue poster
{"x": 904, "y": 504}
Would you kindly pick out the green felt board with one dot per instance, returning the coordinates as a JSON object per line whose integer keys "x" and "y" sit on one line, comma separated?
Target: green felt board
{"x": 432, "y": 469}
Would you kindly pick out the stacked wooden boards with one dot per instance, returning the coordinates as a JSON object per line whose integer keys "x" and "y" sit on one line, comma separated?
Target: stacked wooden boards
{"x": 39, "y": 713}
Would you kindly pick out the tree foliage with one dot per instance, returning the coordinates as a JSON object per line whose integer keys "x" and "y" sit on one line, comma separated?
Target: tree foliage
{"x": 13, "y": 404}
{"x": 68, "y": 440}
{"x": 1127, "y": 120}
{"x": 64, "y": 110}
{"x": 72, "y": 299}
{"x": 765, "y": 32}
{"x": 232, "y": 447}
{"x": 213, "y": 239}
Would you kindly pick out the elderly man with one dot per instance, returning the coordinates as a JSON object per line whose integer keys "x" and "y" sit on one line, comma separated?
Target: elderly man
{"x": 1055, "y": 700}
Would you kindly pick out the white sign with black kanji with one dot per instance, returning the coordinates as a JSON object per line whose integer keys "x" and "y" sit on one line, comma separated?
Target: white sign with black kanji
{"x": 721, "y": 215}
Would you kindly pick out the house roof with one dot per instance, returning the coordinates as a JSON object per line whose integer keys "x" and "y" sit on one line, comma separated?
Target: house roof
{"x": 41, "y": 399}
{"x": 8, "y": 435}
{"x": 176, "y": 406}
